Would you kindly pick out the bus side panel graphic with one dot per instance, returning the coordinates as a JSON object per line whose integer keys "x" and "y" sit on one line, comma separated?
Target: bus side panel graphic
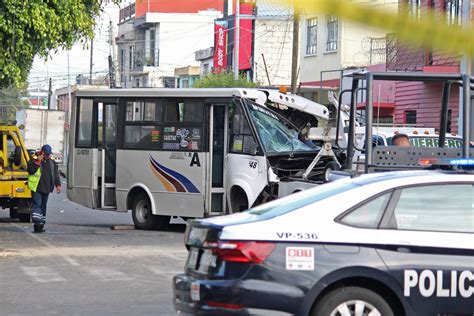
{"x": 172, "y": 180}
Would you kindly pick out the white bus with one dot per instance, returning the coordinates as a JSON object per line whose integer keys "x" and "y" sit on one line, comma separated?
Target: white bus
{"x": 182, "y": 152}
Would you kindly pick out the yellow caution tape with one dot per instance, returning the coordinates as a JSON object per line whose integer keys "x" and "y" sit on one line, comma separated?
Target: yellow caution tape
{"x": 426, "y": 31}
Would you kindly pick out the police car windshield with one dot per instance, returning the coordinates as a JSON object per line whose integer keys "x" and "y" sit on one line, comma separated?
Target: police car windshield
{"x": 275, "y": 135}
{"x": 301, "y": 199}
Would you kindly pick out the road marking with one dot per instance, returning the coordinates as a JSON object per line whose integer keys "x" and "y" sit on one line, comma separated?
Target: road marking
{"x": 108, "y": 274}
{"x": 162, "y": 271}
{"x": 42, "y": 274}
{"x": 49, "y": 245}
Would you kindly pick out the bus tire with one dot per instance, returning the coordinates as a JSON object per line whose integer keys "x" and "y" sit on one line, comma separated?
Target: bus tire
{"x": 143, "y": 217}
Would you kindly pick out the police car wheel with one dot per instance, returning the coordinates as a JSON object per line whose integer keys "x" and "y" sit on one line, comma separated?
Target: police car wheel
{"x": 354, "y": 301}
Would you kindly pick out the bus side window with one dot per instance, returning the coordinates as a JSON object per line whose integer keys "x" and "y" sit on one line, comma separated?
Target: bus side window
{"x": 172, "y": 111}
{"x": 84, "y": 127}
{"x": 241, "y": 138}
{"x": 143, "y": 124}
{"x": 188, "y": 110}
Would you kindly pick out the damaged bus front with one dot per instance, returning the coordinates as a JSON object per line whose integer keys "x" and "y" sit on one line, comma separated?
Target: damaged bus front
{"x": 267, "y": 157}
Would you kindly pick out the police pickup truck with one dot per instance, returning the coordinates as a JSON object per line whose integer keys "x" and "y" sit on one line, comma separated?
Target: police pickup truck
{"x": 394, "y": 243}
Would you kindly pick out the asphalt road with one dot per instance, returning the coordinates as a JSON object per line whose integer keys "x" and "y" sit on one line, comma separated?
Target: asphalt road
{"x": 79, "y": 266}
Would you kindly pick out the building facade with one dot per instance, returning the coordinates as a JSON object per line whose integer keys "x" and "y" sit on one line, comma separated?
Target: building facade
{"x": 420, "y": 103}
{"x": 273, "y": 48}
{"x": 156, "y": 37}
{"x": 205, "y": 58}
{"x": 329, "y": 47}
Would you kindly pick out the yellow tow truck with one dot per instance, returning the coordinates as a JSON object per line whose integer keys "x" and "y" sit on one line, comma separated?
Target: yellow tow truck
{"x": 14, "y": 192}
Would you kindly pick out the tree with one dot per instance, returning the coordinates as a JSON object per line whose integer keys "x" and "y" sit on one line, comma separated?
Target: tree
{"x": 12, "y": 100}
{"x": 223, "y": 80}
{"x": 35, "y": 27}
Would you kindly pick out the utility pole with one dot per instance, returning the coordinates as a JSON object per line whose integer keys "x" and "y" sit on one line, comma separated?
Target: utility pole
{"x": 465, "y": 67}
{"x": 68, "y": 116}
{"x": 38, "y": 93}
{"x": 295, "y": 49}
{"x": 50, "y": 92}
{"x": 111, "y": 73}
{"x": 92, "y": 53}
{"x": 237, "y": 39}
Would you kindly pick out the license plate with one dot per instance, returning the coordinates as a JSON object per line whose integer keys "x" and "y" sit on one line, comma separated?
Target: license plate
{"x": 192, "y": 258}
{"x": 195, "y": 291}
{"x": 208, "y": 259}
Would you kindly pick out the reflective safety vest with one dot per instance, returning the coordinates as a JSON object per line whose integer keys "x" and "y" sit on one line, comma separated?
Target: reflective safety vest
{"x": 33, "y": 180}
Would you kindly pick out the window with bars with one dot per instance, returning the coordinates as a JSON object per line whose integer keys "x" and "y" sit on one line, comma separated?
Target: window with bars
{"x": 453, "y": 11}
{"x": 311, "y": 36}
{"x": 332, "y": 24}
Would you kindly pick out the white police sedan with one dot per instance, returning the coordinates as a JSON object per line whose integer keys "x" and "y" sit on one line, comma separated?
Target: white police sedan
{"x": 396, "y": 243}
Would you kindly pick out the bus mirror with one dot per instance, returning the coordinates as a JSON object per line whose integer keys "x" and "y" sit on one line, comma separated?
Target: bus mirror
{"x": 253, "y": 149}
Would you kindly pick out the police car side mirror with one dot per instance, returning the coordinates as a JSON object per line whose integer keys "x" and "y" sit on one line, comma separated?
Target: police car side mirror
{"x": 17, "y": 157}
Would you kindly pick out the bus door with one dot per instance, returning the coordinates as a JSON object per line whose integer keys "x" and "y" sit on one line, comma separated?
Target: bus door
{"x": 91, "y": 163}
{"x": 107, "y": 145}
{"x": 217, "y": 163}
{"x": 83, "y": 154}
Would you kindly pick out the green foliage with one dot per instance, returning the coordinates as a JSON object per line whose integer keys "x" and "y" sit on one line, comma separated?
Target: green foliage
{"x": 35, "y": 27}
{"x": 224, "y": 80}
{"x": 12, "y": 100}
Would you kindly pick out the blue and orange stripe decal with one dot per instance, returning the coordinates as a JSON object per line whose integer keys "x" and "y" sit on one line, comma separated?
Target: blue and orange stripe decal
{"x": 172, "y": 181}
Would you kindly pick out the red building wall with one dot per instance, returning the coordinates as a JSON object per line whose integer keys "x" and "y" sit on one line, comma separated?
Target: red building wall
{"x": 176, "y": 6}
{"x": 425, "y": 99}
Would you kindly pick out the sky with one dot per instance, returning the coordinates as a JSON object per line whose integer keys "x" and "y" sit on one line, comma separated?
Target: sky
{"x": 79, "y": 56}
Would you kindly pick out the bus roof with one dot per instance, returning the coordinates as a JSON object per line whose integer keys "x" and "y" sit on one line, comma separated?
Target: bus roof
{"x": 173, "y": 92}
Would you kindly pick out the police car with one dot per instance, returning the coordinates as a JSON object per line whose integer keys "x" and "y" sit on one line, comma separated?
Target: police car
{"x": 395, "y": 243}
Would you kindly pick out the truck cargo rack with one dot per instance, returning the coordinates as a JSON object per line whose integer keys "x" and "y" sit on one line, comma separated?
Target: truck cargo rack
{"x": 395, "y": 158}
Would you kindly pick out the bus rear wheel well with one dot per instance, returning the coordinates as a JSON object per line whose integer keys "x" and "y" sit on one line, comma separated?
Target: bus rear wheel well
{"x": 132, "y": 194}
{"x": 367, "y": 283}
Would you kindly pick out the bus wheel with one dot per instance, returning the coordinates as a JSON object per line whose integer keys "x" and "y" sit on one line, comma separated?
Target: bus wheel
{"x": 143, "y": 217}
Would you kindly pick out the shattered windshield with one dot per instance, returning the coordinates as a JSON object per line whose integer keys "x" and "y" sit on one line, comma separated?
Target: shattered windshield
{"x": 276, "y": 137}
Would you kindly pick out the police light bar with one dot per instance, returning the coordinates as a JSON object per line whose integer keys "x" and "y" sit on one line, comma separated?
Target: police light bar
{"x": 459, "y": 162}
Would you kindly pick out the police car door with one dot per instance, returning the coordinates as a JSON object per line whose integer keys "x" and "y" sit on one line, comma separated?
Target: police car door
{"x": 430, "y": 246}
